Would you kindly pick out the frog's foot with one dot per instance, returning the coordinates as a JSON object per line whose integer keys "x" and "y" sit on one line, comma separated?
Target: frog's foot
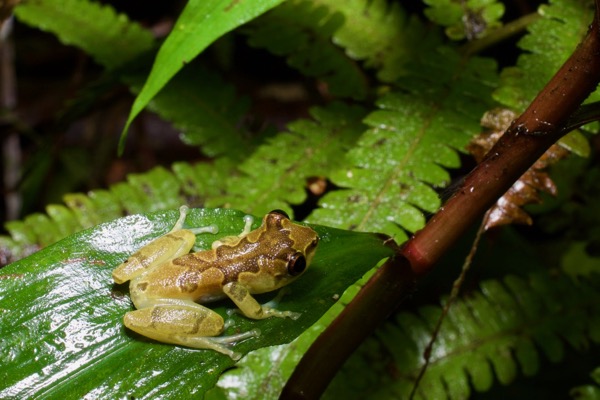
{"x": 230, "y": 240}
{"x": 268, "y": 312}
{"x": 250, "y": 307}
{"x": 273, "y": 312}
{"x": 205, "y": 229}
{"x": 248, "y": 220}
{"x": 184, "y": 323}
{"x": 270, "y": 307}
{"x": 183, "y": 212}
{"x": 218, "y": 343}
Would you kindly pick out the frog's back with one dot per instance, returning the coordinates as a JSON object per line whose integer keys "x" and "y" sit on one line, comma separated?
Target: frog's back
{"x": 190, "y": 277}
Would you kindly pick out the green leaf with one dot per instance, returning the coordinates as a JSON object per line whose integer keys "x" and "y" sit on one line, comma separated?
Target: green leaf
{"x": 389, "y": 178}
{"x": 577, "y": 262}
{"x": 110, "y": 38}
{"x": 200, "y": 23}
{"x": 61, "y": 332}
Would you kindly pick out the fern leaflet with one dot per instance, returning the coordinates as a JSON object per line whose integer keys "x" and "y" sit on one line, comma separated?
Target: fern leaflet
{"x": 196, "y": 101}
{"x": 471, "y": 19}
{"x": 110, "y": 38}
{"x": 550, "y": 41}
{"x": 205, "y": 108}
{"x": 588, "y": 392}
{"x": 379, "y": 32}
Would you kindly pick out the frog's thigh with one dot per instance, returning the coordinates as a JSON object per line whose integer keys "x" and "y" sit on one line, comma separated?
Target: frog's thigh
{"x": 186, "y": 324}
{"x": 171, "y": 322}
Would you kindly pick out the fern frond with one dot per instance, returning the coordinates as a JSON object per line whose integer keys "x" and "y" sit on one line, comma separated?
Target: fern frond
{"x": 302, "y": 33}
{"x": 391, "y": 175}
{"x": 550, "y": 41}
{"x": 158, "y": 189}
{"x": 110, "y": 38}
{"x": 205, "y": 108}
{"x": 498, "y": 331}
{"x": 275, "y": 175}
{"x": 380, "y": 33}
{"x": 470, "y": 19}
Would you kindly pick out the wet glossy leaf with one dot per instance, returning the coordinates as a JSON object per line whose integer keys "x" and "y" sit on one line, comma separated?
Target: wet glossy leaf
{"x": 61, "y": 332}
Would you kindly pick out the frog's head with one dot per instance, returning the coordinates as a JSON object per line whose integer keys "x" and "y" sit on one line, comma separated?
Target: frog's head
{"x": 291, "y": 248}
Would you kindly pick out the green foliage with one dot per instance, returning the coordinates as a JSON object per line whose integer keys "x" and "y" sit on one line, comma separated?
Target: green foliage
{"x": 384, "y": 161}
{"x": 390, "y": 176}
{"x": 588, "y": 392}
{"x": 498, "y": 331}
{"x": 110, "y": 38}
{"x": 550, "y": 41}
{"x": 273, "y": 176}
{"x": 302, "y": 32}
{"x": 205, "y": 108}
{"x": 155, "y": 190}
{"x": 471, "y": 19}
{"x": 388, "y": 37}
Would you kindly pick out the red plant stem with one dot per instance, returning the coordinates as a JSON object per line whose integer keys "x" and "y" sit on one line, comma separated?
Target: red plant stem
{"x": 528, "y": 137}
{"x": 393, "y": 281}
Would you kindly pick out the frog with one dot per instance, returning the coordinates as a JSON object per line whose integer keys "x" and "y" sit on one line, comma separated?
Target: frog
{"x": 170, "y": 287}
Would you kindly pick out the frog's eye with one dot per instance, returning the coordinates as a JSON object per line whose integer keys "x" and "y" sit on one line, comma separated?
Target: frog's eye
{"x": 280, "y": 212}
{"x": 296, "y": 264}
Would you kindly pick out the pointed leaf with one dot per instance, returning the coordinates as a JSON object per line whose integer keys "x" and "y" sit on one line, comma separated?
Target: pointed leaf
{"x": 200, "y": 24}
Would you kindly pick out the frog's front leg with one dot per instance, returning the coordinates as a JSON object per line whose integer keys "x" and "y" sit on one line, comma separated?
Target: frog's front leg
{"x": 184, "y": 323}
{"x": 175, "y": 243}
{"x": 251, "y": 308}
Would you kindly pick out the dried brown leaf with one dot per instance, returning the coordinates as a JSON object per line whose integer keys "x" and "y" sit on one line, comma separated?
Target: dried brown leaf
{"x": 508, "y": 209}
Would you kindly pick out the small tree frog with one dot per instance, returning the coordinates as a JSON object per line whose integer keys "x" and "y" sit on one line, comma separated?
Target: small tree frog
{"x": 167, "y": 283}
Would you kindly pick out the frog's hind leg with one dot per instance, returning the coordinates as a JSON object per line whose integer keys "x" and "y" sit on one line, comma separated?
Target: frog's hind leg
{"x": 184, "y": 323}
